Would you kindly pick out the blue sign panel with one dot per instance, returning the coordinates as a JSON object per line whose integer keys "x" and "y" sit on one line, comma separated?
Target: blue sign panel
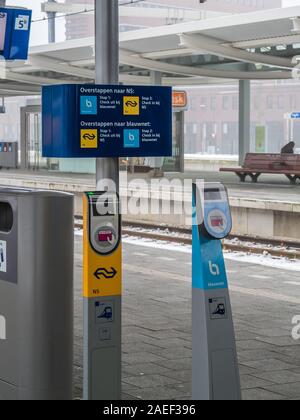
{"x": 295, "y": 115}
{"x": 91, "y": 121}
{"x": 15, "y": 25}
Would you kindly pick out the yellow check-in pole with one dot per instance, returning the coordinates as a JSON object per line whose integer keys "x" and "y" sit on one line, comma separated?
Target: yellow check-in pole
{"x": 102, "y": 261}
{"x": 102, "y": 293}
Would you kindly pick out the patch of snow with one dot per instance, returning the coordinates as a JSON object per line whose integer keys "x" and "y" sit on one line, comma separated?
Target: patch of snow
{"x": 281, "y": 263}
{"x": 264, "y": 260}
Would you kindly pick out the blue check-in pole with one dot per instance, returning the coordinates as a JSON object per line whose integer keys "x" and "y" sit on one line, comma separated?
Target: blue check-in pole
{"x": 215, "y": 362}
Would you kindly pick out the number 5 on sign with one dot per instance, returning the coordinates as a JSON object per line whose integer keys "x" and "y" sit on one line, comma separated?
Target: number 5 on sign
{"x": 22, "y": 23}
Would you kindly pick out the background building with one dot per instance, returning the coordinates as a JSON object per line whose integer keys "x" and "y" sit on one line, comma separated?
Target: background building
{"x": 212, "y": 120}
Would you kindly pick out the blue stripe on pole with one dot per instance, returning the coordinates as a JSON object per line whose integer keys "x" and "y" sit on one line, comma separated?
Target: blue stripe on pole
{"x": 209, "y": 272}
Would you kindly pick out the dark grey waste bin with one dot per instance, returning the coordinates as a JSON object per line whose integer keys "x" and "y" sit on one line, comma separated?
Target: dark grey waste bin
{"x": 36, "y": 295}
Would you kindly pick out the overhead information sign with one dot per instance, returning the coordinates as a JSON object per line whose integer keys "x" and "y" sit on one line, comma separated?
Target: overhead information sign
{"x": 15, "y": 27}
{"x": 84, "y": 121}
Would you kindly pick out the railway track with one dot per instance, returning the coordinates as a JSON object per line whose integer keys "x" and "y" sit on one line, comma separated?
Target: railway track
{"x": 275, "y": 248}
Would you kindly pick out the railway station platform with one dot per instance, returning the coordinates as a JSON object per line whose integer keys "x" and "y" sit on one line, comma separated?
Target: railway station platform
{"x": 148, "y": 296}
{"x": 157, "y": 328}
{"x": 268, "y": 209}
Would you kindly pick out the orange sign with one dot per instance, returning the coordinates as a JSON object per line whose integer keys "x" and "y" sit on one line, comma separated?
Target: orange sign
{"x": 180, "y": 99}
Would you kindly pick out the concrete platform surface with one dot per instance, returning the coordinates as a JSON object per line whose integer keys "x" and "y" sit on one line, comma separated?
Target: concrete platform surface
{"x": 157, "y": 326}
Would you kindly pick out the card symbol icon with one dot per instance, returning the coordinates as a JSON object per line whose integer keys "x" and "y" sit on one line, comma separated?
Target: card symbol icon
{"x": 131, "y": 105}
{"x": 88, "y": 105}
{"x": 89, "y": 139}
{"x": 107, "y": 313}
{"x": 104, "y": 312}
{"x": 132, "y": 139}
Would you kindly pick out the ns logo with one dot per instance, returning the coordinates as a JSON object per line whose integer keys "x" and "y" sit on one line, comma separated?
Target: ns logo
{"x": 2, "y": 328}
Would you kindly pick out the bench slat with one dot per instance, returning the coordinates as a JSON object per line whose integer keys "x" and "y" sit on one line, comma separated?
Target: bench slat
{"x": 250, "y": 171}
{"x": 269, "y": 163}
{"x": 272, "y": 162}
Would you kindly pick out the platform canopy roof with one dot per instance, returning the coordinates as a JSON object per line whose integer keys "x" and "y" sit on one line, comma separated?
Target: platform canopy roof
{"x": 256, "y": 46}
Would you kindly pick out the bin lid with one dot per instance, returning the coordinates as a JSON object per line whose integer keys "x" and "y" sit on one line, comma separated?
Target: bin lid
{"x": 33, "y": 192}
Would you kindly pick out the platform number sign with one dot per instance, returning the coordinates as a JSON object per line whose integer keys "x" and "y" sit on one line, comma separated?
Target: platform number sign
{"x": 15, "y": 25}
{"x": 22, "y": 23}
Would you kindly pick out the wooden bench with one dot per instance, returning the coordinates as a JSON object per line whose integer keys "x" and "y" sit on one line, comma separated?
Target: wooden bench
{"x": 257, "y": 164}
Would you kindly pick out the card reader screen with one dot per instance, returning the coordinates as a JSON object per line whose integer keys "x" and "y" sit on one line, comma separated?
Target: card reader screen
{"x": 217, "y": 221}
{"x": 212, "y": 195}
{"x": 105, "y": 236}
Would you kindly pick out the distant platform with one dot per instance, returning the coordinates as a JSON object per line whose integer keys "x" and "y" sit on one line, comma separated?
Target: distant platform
{"x": 268, "y": 209}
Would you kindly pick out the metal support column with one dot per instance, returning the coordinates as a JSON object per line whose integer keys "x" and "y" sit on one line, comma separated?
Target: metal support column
{"x": 244, "y": 119}
{"x": 102, "y": 355}
{"x": 51, "y": 25}
{"x": 156, "y": 80}
{"x": 107, "y": 69}
{"x": 25, "y": 149}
